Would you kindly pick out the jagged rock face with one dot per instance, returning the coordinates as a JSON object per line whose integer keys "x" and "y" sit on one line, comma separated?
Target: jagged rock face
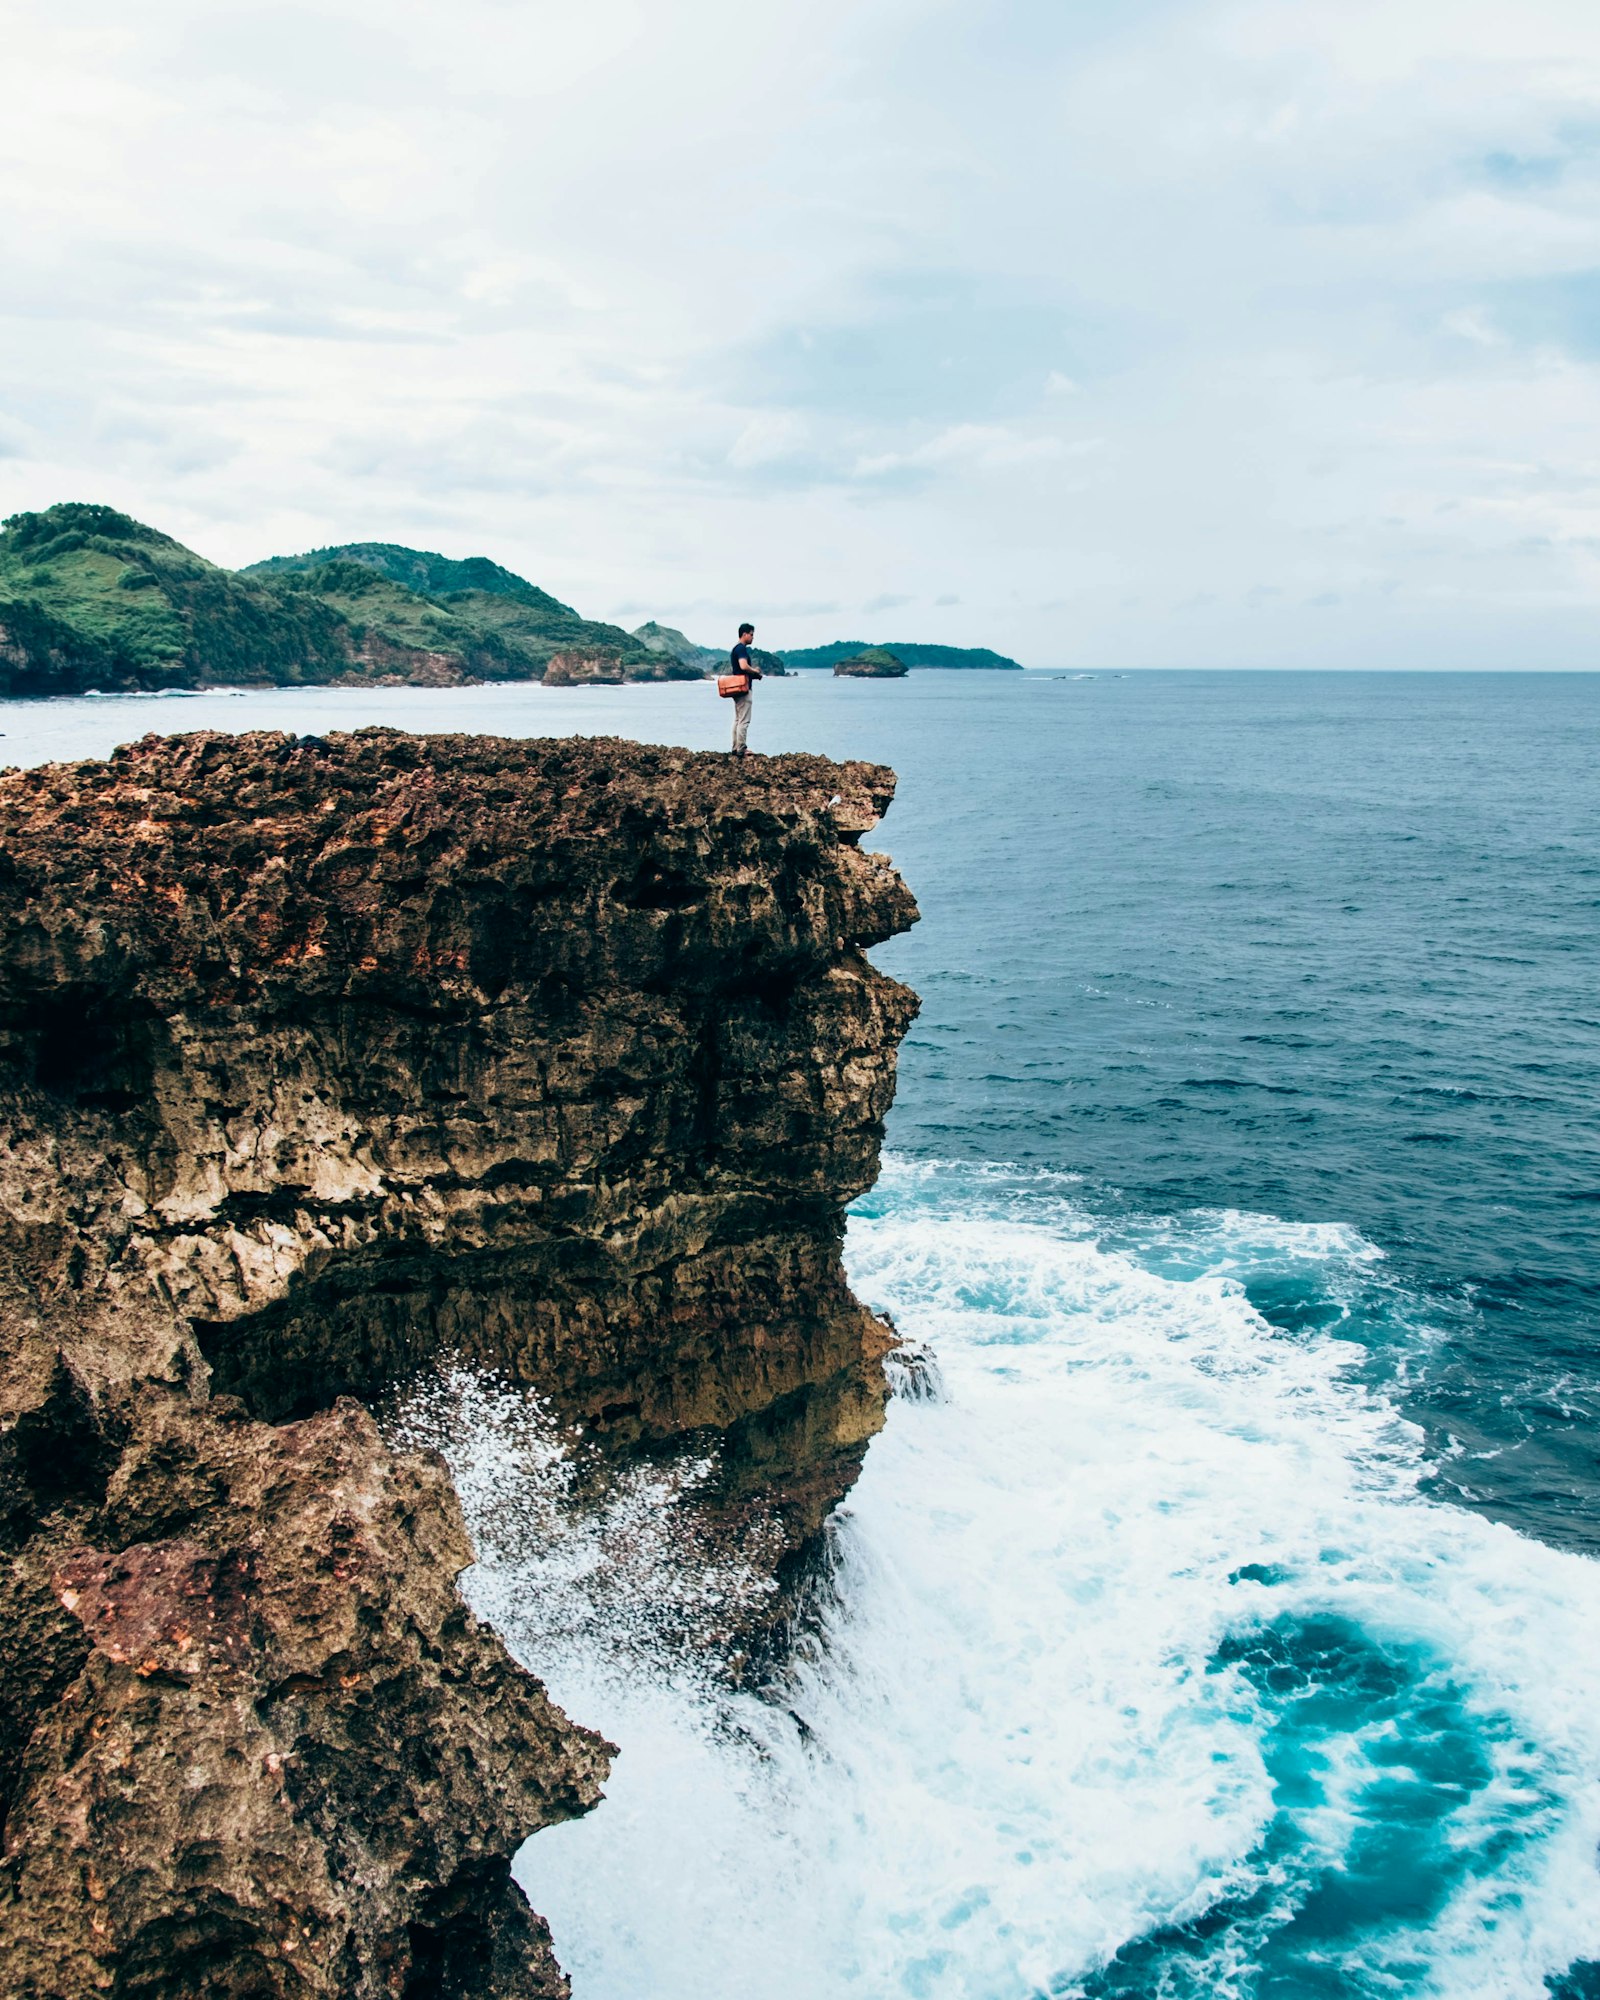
{"x": 278, "y": 1756}
{"x": 383, "y": 664}
{"x": 580, "y": 669}
{"x": 319, "y": 1061}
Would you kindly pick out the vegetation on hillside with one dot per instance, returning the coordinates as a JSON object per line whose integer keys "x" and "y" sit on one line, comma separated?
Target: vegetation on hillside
{"x": 92, "y": 599}
{"x": 429, "y": 575}
{"x": 508, "y": 627}
{"x": 913, "y": 655}
{"x": 872, "y": 663}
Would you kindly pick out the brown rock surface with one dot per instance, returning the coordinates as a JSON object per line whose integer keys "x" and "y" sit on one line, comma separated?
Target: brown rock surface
{"x": 318, "y": 1061}
{"x": 581, "y": 669}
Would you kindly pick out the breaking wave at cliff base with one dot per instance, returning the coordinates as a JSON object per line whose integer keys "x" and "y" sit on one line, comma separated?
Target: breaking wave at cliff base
{"x": 1149, "y": 1667}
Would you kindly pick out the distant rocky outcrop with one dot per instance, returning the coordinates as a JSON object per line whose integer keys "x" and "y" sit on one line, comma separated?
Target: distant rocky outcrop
{"x": 874, "y": 663}
{"x": 584, "y": 669}
{"x": 665, "y": 640}
{"x": 91, "y": 599}
{"x": 319, "y": 1061}
{"x": 676, "y": 645}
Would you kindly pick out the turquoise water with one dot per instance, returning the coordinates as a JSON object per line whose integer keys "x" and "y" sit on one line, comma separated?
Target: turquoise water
{"x": 1228, "y": 1626}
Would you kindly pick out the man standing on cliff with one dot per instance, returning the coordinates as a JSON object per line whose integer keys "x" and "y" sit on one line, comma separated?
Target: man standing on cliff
{"x": 740, "y": 662}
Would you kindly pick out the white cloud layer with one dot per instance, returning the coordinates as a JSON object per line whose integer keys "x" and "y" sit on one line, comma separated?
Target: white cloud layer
{"x": 1169, "y": 332}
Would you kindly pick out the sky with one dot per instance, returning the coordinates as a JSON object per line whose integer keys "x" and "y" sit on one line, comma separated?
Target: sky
{"x": 1158, "y": 333}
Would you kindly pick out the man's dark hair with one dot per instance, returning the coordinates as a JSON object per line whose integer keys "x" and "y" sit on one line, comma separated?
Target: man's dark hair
{"x": 745, "y": 628}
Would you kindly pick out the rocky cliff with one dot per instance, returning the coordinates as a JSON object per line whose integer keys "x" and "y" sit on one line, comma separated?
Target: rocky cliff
{"x": 320, "y": 1060}
{"x": 575, "y": 668}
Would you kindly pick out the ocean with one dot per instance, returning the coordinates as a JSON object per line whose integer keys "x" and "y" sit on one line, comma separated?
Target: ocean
{"x": 1221, "y": 1618}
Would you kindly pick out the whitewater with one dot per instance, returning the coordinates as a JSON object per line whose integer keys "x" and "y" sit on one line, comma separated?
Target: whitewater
{"x": 1146, "y": 1668}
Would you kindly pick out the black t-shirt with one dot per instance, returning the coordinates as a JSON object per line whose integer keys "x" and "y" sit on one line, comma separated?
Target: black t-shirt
{"x": 740, "y": 662}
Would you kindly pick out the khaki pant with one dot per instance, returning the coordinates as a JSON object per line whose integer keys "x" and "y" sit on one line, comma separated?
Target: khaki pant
{"x": 741, "y": 722}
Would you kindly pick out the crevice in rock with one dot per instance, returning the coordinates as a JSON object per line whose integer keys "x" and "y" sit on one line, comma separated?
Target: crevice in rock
{"x": 656, "y": 888}
{"x": 57, "y": 1454}
{"x": 91, "y": 1046}
{"x": 477, "y": 1938}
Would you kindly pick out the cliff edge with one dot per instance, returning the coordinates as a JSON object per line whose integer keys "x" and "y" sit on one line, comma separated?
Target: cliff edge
{"x": 320, "y": 1061}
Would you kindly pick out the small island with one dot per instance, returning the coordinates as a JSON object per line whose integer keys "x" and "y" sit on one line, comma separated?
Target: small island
{"x": 872, "y": 663}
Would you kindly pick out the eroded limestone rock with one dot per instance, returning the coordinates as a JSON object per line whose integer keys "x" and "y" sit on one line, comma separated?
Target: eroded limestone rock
{"x": 320, "y": 1061}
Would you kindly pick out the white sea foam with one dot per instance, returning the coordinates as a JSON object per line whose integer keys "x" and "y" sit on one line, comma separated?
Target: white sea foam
{"x": 1030, "y": 1734}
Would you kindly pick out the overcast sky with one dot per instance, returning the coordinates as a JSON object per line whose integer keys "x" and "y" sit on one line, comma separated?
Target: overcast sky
{"x": 1147, "y": 332}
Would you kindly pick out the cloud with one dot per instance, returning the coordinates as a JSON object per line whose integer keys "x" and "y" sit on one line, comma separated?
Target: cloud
{"x": 874, "y": 605}
{"x": 1157, "y": 300}
{"x": 931, "y": 346}
{"x": 1473, "y": 323}
{"x": 1560, "y": 312}
{"x": 1509, "y": 171}
{"x": 769, "y": 437}
{"x": 979, "y": 447}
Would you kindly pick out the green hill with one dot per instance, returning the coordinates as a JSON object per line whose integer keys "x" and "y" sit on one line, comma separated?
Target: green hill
{"x": 91, "y": 599}
{"x": 875, "y": 663}
{"x": 419, "y": 570}
{"x": 507, "y": 627}
{"x": 912, "y": 655}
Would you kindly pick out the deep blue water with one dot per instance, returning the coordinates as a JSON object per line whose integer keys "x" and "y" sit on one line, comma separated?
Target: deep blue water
{"x": 1230, "y": 1631}
{"x": 1325, "y": 946}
